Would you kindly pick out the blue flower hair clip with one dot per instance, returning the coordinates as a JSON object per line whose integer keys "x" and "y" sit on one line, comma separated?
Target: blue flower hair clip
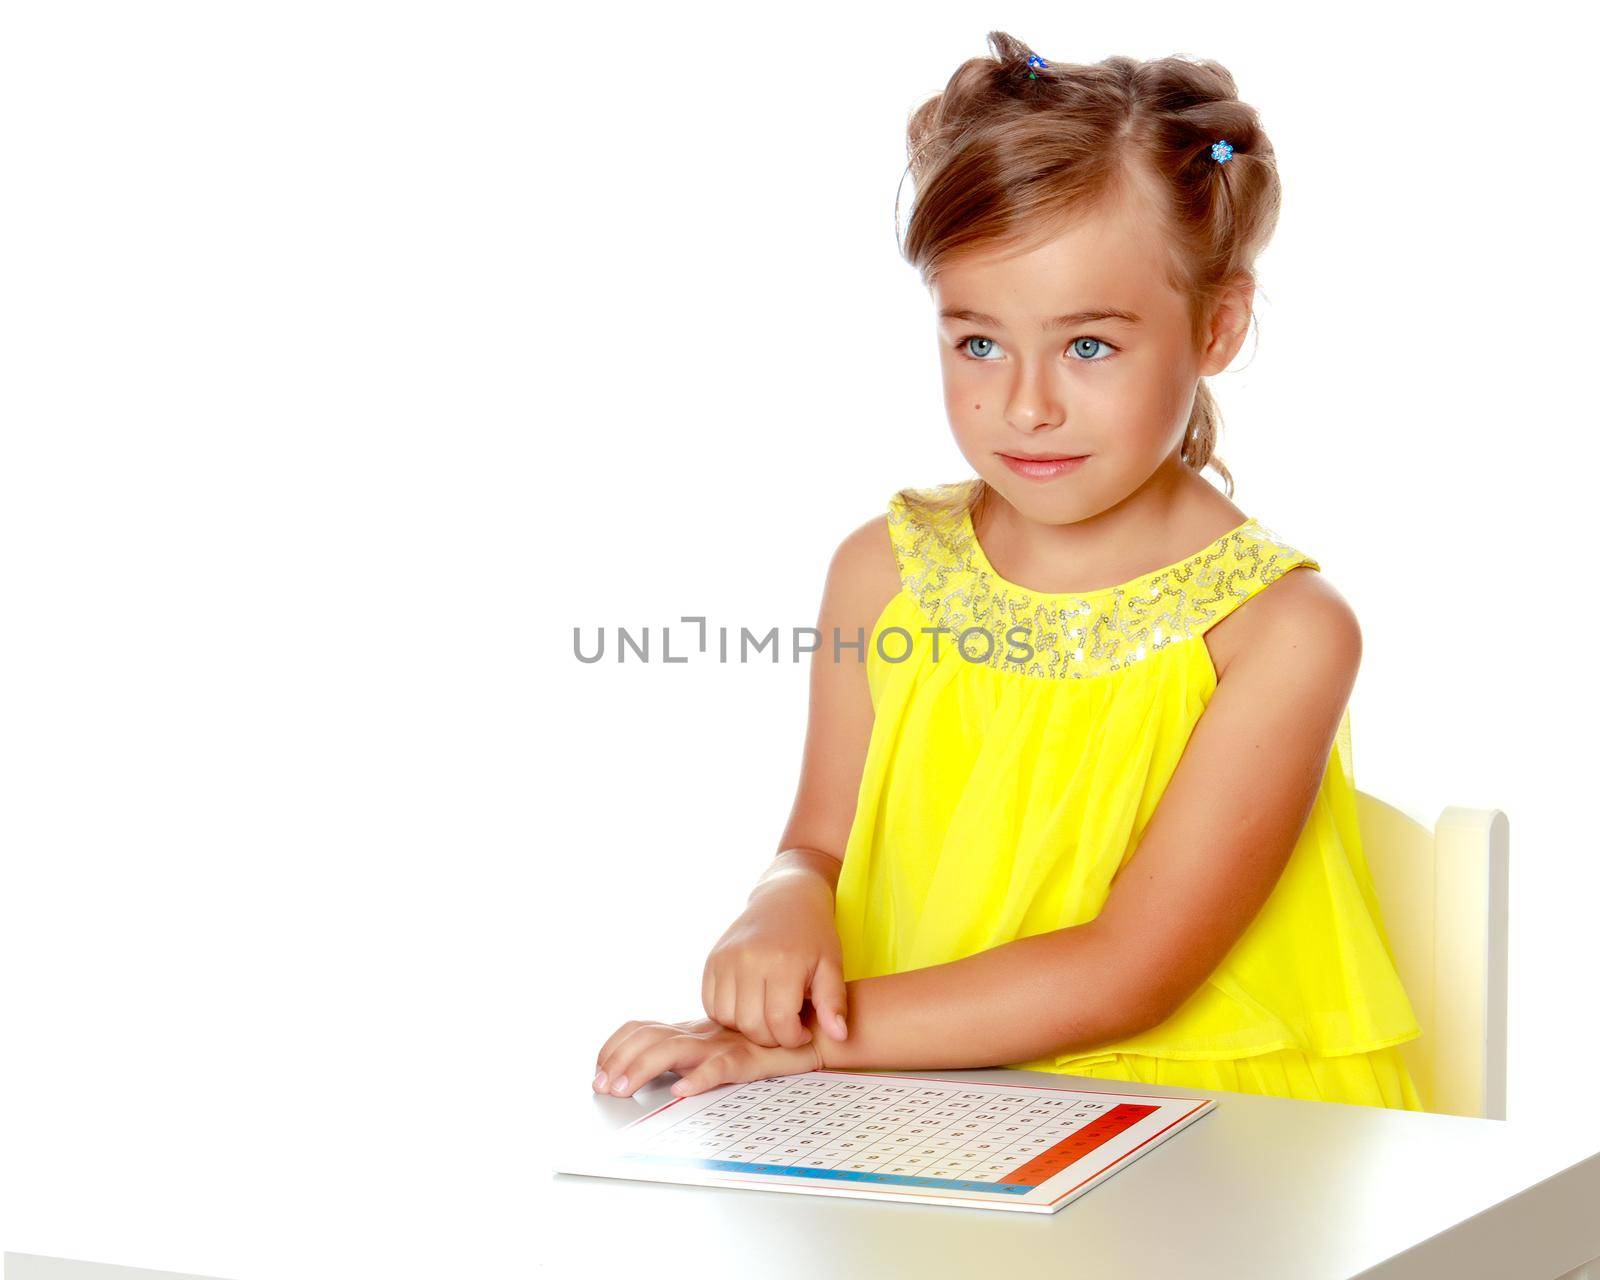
{"x": 1034, "y": 60}
{"x": 1220, "y": 151}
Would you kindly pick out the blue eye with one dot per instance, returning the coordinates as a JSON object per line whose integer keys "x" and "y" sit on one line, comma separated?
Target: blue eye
{"x": 1099, "y": 349}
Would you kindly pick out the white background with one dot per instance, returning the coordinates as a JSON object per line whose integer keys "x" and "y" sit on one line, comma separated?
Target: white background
{"x": 353, "y": 355}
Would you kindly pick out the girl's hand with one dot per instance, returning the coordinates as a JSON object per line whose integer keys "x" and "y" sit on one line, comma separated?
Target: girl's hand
{"x": 704, "y": 1052}
{"x": 785, "y": 945}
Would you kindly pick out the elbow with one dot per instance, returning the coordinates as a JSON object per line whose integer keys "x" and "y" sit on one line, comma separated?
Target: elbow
{"x": 1144, "y": 1014}
{"x": 1139, "y": 995}
{"x": 1158, "y": 997}
{"x": 1129, "y": 997}
{"x": 1132, "y": 1011}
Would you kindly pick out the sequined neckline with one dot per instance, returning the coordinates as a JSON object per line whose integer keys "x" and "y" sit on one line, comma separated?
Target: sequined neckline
{"x": 980, "y": 561}
{"x": 1064, "y": 635}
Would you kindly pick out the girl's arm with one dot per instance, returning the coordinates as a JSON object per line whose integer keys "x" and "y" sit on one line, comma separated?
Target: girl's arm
{"x": 1210, "y": 857}
{"x": 862, "y": 578}
{"x": 784, "y": 946}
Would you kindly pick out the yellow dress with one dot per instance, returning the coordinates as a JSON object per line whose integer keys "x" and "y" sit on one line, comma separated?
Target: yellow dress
{"x": 1008, "y": 781}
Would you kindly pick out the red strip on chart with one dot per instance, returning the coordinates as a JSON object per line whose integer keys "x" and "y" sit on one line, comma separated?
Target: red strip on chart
{"x": 1096, "y": 1133}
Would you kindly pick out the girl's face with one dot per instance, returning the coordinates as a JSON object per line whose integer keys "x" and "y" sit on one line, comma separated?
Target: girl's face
{"x": 1077, "y": 348}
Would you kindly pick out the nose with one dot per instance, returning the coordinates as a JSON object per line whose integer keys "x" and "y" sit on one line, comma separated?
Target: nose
{"x": 1030, "y": 425}
{"x": 1034, "y": 405}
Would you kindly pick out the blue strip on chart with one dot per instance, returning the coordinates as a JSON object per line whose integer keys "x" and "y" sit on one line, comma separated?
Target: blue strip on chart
{"x": 836, "y": 1175}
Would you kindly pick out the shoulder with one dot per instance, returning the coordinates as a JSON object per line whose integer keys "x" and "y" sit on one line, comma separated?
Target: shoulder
{"x": 863, "y": 573}
{"x": 1299, "y": 620}
{"x": 872, "y": 557}
{"x": 865, "y": 553}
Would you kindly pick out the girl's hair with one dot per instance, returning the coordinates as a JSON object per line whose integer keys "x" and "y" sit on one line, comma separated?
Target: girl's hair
{"x": 1002, "y": 159}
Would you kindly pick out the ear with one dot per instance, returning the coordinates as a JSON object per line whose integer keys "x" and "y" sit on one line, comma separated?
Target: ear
{"x": 1230, "y": 321}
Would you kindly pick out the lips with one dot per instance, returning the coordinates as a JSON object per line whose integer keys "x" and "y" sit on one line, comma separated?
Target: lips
{"x": 1043, "y": 466}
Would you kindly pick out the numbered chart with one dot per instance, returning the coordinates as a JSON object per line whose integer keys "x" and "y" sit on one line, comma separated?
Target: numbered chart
{"x": 894, "y": 1137}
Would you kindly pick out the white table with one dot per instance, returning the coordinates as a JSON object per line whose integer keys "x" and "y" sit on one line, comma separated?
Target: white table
{"x": 1261, "y": 1186}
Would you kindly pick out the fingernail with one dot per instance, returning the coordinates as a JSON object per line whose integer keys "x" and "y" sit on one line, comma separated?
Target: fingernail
{"x": 621, "y": 1084}
{"x": 842, "y": 1032}
{"x": 599, "y": 1080}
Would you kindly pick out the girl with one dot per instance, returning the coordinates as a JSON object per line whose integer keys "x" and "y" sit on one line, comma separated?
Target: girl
{"x": 1086, "y": 805}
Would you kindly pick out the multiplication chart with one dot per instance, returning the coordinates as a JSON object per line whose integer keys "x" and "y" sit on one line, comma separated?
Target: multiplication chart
{"x": 881, "y": 1137}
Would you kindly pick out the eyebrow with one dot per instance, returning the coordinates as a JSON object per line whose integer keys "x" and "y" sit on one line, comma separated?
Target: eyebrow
{"x": 1068, "y": 321}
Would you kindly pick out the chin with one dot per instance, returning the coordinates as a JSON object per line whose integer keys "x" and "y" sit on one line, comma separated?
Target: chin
{"x": 1050, "y": 504}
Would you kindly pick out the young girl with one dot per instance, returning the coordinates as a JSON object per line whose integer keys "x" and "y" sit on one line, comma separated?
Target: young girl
{"x": 1086, "y": 805}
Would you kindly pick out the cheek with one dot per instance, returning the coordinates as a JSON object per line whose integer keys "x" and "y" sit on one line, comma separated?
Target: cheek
{"x": 968, "y": 434}
{"x": 964, "y": 396}
{"x": 1149, "y": 401}
{"x": 968, "y": 409}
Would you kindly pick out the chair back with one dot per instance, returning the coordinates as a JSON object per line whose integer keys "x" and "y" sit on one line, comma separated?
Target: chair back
{"x": 1443, "y": 894}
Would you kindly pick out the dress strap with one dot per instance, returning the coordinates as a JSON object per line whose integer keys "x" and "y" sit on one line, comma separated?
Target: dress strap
{"x": 1234, "y": 569}
{"x": 926, "y": 527}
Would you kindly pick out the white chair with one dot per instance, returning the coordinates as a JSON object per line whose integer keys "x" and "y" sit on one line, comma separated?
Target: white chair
{"x": 1443, "y": 894}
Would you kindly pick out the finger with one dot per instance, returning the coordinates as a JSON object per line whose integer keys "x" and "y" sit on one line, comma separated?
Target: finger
{"x": 714, "y": 1070}
{"x": 785, "y": 994}
{"x": 828, "y": 997}
{"x": 673, "y": 1050}
{"x": 753, "y": 1011}
{"x": 613, "y": 1068}
{"x": 615, "y": 1038}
